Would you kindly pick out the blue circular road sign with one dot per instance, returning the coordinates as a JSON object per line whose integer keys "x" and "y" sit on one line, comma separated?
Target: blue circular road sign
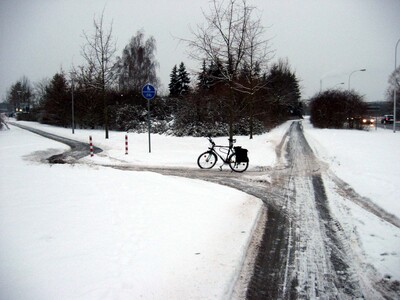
{"x": 148, "y": 91}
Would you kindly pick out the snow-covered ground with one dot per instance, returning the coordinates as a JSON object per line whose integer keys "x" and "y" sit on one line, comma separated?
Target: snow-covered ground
{"x": 369, "y": 162}
{"x": 86, "y": 231}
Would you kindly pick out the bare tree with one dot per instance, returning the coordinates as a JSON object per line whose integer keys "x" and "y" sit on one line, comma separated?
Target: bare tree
{"x": 40, "y": 90}
{"x": 232, "y": 40}
{"x": 99, "y": 52}
{"x": 137, "y": 65}
{"x": 258, "y": 54}
{"x": 20, "y": 94}
{"x": 394, "y": 84}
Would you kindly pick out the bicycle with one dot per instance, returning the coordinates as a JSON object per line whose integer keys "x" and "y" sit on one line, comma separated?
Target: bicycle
{"x": 236, "y": 157}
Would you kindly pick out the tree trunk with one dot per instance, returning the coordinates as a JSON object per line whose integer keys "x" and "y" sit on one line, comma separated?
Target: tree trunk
{"x": 105, "y": 111}
{"x": 231, "y": 113}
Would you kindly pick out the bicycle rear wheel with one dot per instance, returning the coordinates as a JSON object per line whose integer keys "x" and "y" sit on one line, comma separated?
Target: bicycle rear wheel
{"x": 207, "y": 160}
{"x": 237, "y": 166}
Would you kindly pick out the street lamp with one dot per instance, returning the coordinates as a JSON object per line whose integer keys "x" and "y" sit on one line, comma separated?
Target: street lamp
{"x": 395, "y": 87}
{"x": 19, "y": 101}
{"x": 72, "y": 100}
{"x": 340, "y": 83}
{"x": 362, "y": 70}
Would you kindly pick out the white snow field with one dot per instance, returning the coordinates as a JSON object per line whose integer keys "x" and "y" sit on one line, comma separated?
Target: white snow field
{"x": 86, "y": 231}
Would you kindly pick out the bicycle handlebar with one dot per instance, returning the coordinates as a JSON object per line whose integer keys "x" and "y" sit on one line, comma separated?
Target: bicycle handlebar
{"x": 231, "y": 141}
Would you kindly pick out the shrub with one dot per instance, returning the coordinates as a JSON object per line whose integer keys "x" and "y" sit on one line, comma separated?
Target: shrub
{"x": 127, "y": 117}
{"x": 3, "y": 121}
{"x": 333, "y": 108}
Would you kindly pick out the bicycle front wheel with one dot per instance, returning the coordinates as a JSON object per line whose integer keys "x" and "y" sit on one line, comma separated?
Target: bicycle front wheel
{"x": 237, "y": 166}
{"x": 207, "y": 160}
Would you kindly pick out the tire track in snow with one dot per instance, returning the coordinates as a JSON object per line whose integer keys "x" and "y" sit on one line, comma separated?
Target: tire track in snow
{"x": 313, "y": 252}
{"x": 312, "y": 265}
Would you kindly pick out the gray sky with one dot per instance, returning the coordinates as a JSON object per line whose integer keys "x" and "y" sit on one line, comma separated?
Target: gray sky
{"x": 322, "y": 39}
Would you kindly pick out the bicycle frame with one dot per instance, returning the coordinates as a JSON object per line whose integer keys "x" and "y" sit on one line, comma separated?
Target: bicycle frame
{"x": 230, "y": 151}
{"x": 225, "y": 160}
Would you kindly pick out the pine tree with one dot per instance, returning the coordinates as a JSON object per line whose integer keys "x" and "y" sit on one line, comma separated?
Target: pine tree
{"x": 183, "y": 80}
{"x": 283, "y": 82}
{"x": 203, "y": 78}
{"x": 179, "y": 82}
{"x": 56, "y": 107}
{"x": 173, "y": 84}
{"x": 20, "y": 95}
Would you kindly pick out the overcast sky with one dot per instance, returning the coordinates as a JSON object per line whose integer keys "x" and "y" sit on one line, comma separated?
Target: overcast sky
{"x": 324, "y": 40}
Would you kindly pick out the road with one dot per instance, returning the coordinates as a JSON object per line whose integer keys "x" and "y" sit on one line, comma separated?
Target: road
{"x": 389, "y": 126}
{"x": 304, "y": 251}
{"x": 78, "y": 149}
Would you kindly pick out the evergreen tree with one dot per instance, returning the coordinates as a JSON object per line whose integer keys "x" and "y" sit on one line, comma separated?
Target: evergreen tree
{"x": 179, "y": 82}
{"x": 283, "y": 88}
{"x": 209, "y": 76}
{"x": 183, "y": 80}
{"x": 173, "y": 84}
{"x": 57, "y": 103}
{"x": 20, "y": 94}
{"x": 203, "y": 80}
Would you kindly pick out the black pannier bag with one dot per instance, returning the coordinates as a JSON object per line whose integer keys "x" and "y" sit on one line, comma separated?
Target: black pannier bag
{"x": 241, "y": 154}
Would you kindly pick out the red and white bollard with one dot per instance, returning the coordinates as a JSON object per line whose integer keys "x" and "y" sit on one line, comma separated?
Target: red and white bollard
{"x": 91, "y": 145}
{"x": 126, "y": 144}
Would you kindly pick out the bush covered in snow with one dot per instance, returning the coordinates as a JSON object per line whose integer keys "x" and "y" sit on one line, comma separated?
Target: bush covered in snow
{"x": 133, "y": 118}
{"x": 127, "y": 117}
{"x": 3, "y": 122}
{"x": 217, "y": 129}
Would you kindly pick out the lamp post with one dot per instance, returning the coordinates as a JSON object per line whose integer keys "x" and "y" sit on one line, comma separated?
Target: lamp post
{"x": 72, "y": 100}
{"x": 340, "y": 83}
{"x": 19, "y": 101}
{"x": 362, "y": 70}
{"x": 395, "y": 87}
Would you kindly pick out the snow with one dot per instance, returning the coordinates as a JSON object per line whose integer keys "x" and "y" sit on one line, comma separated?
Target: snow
{"x": 86, "y": 231}
{"x": 166, "y": 150}
{"x": 90, "y": 232}
{"x": 369, "y": 162}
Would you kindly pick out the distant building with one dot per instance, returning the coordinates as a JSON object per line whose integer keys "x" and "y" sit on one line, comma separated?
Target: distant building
{"x": 380, "y": 108}
{"x": 5, "y": 108}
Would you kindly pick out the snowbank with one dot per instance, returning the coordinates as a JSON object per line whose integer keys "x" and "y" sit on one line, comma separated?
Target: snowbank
{"x": 88, "y": 232}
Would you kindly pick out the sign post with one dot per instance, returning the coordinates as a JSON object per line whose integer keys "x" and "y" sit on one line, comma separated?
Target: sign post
{"x": 148, "y": 92}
